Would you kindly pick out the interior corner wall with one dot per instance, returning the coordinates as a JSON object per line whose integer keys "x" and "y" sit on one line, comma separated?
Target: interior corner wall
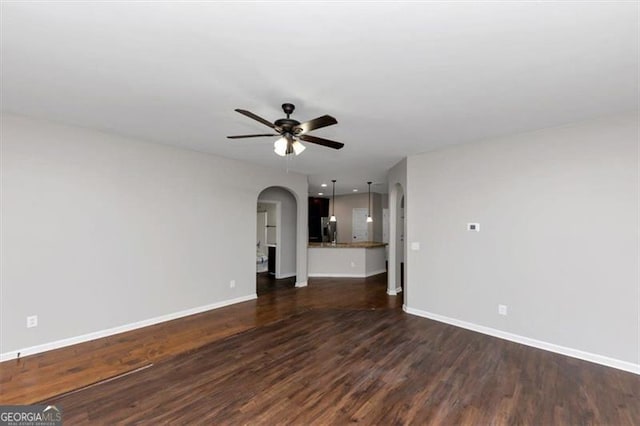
{"x": 101, "y": 231}
{"x": 558, "y": 240}
{"x": 288, "y": 228}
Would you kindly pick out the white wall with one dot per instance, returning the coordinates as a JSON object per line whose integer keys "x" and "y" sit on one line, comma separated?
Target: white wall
{"x": 100, "y": 231}
{"x": 344, "y": 213}
{"x": 286, "y": 228}
{"x": 558, "y": 213}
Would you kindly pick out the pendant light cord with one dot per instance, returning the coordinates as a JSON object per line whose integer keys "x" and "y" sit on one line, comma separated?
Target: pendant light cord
{"x": 369, "y": 209}
{"x": 333, "y": 203}
{"x": 333, "y": 199}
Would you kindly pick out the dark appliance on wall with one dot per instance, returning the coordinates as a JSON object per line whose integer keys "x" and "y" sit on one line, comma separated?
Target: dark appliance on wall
{"x": 318, "y": 209}
{"x": 329, "y": 231}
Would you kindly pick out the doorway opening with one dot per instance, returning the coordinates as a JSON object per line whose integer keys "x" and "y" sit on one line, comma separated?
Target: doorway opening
{"x": 276, "y": 235}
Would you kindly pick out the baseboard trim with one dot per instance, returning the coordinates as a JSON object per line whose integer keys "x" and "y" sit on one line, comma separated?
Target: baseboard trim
{"x": 301, "y": 284}
{"x": 340, "y": 275}
{"x": 287, "y": 275}
{"x": 394, "y": 292}
{"x": 32, "y": 350}
{"x": 335, "y": 275}
{"x": 539, "y": 344}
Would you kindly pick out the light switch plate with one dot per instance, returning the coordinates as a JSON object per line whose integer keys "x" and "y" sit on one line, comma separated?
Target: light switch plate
{"x": 32, "y": 321}
{"x": 415, "y": 246}
{"x": 502, "y": 309}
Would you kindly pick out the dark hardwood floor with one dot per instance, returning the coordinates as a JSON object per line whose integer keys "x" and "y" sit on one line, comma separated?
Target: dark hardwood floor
{"x": 38, "y": 377}
{"x": 336, "y": 352}
{"x": 266, "y": 283}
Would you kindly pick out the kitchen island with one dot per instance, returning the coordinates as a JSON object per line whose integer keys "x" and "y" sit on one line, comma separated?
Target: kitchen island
{"x": 356, "y": 260}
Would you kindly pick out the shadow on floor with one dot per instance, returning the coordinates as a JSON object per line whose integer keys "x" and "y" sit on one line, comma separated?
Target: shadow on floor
{"x": 267, "y": 283}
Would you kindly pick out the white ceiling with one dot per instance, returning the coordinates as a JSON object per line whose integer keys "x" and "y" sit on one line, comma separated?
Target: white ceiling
{"x": 401, "y": 78}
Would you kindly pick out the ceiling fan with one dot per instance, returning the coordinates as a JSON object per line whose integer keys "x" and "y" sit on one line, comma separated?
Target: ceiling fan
{"x": 291, "y": 131}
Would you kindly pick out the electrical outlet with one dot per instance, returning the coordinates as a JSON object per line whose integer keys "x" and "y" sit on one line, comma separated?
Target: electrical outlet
{"x": 502, "y": 309}
{"x": 232, "y": 284}
{"x": 353, "y": 264}
{"x": 475, "y": 227}
{"x": 32, "y": 321}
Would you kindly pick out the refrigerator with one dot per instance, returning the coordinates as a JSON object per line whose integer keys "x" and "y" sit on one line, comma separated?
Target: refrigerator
{"x": 329, "y": 230}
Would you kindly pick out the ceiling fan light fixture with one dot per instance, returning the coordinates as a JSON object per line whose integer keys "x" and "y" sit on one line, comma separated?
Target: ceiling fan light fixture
{"x": 280, "y": 147}
{"x": 298, "y": 147}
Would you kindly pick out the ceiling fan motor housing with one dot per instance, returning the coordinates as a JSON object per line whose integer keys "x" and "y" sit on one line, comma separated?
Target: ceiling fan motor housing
{"x": 286, "y": 124}
{"x": 288, "y": 108}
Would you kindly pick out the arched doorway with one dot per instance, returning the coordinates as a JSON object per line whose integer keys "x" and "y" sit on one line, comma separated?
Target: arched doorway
{"x": 276, "y": 239}
{"x": 397, "y": 268}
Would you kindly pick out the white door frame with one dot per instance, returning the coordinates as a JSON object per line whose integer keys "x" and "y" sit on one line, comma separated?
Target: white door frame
{"x": 395, "y": 241}
{"x": 278, "y": 232}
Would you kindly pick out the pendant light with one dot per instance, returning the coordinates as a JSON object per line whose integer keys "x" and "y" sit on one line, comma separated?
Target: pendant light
{"x": 369, "y": 218}
{"x": 333, "y": 203}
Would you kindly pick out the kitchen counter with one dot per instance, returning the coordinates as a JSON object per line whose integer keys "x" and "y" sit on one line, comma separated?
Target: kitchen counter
{"x": 363, "y": 244}
{"x": 355, "y": 260}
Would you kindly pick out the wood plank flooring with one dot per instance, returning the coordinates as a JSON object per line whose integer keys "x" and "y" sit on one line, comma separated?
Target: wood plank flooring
{"x": 35, "y": 378}
{"x": 337, "y": 352}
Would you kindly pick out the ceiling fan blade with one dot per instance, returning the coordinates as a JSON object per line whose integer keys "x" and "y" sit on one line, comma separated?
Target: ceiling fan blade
{"x": 316, "y": 123}
{"x": 252, "y": 136}
{"x": 321, "y": 141}
{"x": 256, "y": 117}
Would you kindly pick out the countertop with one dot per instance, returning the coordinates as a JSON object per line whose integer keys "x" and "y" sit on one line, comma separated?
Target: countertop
{"x": 363, "y": 244}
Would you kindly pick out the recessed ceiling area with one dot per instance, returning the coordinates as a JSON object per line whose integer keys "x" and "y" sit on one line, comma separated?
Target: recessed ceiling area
{"x": 401, "y": 78}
